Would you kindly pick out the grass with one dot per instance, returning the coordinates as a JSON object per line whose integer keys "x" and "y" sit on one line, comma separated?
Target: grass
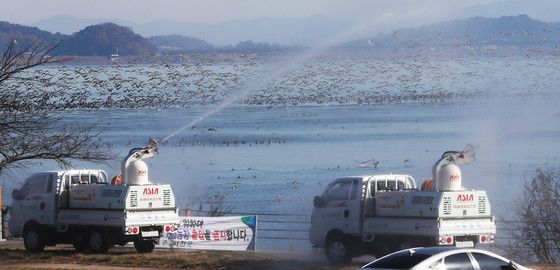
{"x": 13, "y": 253}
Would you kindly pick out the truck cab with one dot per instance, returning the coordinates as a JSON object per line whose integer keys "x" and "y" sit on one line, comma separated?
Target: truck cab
{"x": 341, "y": 208}
{"x": 379, "y": 214}
{"x": 82, "y": 208}
{"x": 33, "y": 202}
{"x": 39, "y": 198}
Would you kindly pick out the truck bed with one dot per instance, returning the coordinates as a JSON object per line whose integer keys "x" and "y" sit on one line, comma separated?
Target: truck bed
{"x": 428, "y": 226}
{"x": 116, "y": 217}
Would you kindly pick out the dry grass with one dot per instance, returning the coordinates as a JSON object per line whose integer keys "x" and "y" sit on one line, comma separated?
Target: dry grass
{"x": 13, "y": 256}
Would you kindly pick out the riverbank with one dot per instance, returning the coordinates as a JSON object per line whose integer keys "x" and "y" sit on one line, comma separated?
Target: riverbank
{"x": 13, "y": 256}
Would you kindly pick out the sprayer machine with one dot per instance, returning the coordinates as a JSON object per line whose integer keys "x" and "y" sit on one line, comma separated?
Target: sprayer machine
{"x": 84, "y": 208}
{"x": 379, "y": 214}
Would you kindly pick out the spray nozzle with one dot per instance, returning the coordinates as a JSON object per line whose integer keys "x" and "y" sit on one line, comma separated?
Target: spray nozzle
{"x": 153, "y": 145}
{"x": 459, "y": 157}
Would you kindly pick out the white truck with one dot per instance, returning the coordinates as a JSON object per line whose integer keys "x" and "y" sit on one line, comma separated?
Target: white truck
{"x": 82, "y": 208}
{"x": 378, "y": 214}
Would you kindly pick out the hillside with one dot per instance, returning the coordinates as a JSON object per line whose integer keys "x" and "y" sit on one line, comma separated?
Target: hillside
{"x": 290, "y": 31}
{"x": 68, "y": 25}
{"x": 24, "y": 35}
{"x": 181, "y": 43}
{"x": 105, "y": 39}
{"x": 109, "y": 38}
{"x": 544, "y": 10}
{"x": 95, "y": 40}
{"x": 507, "y": 30}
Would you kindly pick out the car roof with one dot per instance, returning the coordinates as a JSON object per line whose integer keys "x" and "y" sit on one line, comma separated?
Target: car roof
{"x": 447, "y": 249}
{"x": 436, "y": 253}
{"x": 444, "y": 251}
{"x": 434, "y": 250}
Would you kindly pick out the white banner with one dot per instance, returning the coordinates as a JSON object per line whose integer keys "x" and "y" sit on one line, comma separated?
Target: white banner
{"x": 213, "y": 233}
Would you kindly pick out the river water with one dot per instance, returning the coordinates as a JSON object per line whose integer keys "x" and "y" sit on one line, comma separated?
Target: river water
{"x": 274, "y": 159}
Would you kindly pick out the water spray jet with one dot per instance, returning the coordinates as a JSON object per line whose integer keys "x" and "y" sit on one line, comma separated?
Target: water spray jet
{"x": 299, "y": 60}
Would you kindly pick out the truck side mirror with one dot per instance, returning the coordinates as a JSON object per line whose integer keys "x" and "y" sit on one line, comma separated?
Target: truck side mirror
{"x": 318, "y": 202}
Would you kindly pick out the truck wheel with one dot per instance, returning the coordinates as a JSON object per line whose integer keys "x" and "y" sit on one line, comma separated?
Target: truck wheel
{"x": 97, "y": 242}
{"x": 33, "y": 240}
{"x": 144, "y": 246}
{"x": 337, "y": 249}
{"x": 80, "y": 242}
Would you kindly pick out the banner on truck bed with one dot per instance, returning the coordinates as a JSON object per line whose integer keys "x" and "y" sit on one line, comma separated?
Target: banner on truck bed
{"x": 213, "y": 233}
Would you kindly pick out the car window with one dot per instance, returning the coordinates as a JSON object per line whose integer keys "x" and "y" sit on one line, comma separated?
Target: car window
{"x": 458, "y": 261}
{"x": 338, "y": 191}
{"x": 36, "y": 184}
{"x": 50, "y": 184}
{"x": 399, "y": 260}
{"x": 437, "y": 265}
{"x": 355, "y": 185}
{"x": 487, "y": 262}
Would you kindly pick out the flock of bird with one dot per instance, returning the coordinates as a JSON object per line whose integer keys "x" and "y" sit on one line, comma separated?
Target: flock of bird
{"x": 350, "y": 80}
{"x": 362, "y": 80}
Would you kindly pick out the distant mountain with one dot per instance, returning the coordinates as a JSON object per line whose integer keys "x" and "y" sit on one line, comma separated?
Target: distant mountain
{"x": 105, "y": 39}
{"x": 66, "y": 24}
{"x": 95, "y": 40}
{"x": 290, "y": 31}
{"x": 181, "y": 43}
{"x": 108, "y": 38}
{"x": 544, "y": 10}
{"x": 507, "y": 30}
{"x": 24, "y": 35}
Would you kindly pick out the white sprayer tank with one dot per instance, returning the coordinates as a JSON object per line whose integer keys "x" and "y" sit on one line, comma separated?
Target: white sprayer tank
{"x": 449, "y": 178}
{"x": 137, "y": 173}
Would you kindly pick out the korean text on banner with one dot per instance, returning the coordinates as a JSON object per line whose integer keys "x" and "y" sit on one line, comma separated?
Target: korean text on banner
{"x": 213, "y": 233}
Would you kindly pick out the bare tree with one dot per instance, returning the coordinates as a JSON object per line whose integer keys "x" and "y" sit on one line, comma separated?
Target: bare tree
{"x": 537, "y": 229}
{"x": 217, "y": 205}
{"x": 211, "y": 205}
{"x": 31, "y": 120}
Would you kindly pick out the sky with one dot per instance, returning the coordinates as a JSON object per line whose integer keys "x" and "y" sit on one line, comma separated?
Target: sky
{"x": 217, "y": 11}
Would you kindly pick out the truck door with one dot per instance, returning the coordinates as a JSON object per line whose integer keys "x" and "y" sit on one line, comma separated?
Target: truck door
{"x": 50, "y": 210}
{"x": 355, "y": 206}
{"x": 343, "y": 204}
{"x": 36, "y": 199}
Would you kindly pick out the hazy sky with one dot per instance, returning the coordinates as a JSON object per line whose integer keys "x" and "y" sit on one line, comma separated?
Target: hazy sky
{"x": 215, "y": 11}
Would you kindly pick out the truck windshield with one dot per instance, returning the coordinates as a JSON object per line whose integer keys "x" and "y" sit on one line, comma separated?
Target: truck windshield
{"x": 37, "y": 184}
{"x": 338, "y": 191}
